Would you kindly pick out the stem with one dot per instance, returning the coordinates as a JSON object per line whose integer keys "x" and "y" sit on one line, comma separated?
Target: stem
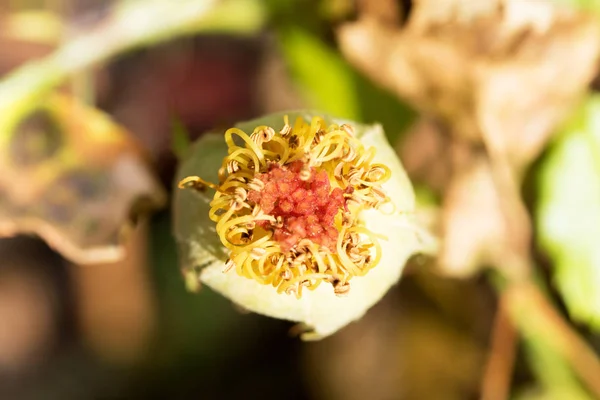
{"x": 529, "y": 309}
{"x": 537, "y": 317}
{"x": 500, "y": 364}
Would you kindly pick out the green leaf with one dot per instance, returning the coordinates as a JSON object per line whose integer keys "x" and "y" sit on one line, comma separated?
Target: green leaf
{"x": 201, "y": 251}
{"x": 569, "y": 212}
{"x": 325, "y": 80}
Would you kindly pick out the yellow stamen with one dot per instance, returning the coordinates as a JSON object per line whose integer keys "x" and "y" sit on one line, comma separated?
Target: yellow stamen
{"x": 253, "y": 234}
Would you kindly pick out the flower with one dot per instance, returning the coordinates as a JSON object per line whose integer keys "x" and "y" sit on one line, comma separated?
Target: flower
{"x": 287, "y": 205}
{"x": 314, "y": 221}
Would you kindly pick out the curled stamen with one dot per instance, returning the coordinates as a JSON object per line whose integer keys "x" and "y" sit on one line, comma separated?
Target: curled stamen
{"x": 337, "y": 172}
{"x": 262, "y": 134}
{"x": 349, "y": 155}
{"x": 342, "y": 289}
{"x": 376, "y": 173}
{"x": 228, "y": 265}
{"x": 257, "y": 253}
{"x": 348, "y": 129}
{"x": 256, "y": 184}
{"x": 233, "y": 166}
{"x": 240, "y": 194}
{"x": 286, "y": 275}
{"x": 347, "y": 220}
{"x": 195, "y": 182}
{"x": 287, "y": 128}
{"x": 305, "y": 173}
{"x": 294, "y": 142}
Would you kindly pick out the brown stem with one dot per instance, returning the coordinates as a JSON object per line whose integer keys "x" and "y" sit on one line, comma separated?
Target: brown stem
{"x": 498, "y": 370}
{"x": 529, "y": 309}
{"x": 536, "y": 316}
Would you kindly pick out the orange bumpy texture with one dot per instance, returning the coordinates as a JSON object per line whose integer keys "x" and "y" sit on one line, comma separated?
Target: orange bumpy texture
{"x": 307, "y": 208}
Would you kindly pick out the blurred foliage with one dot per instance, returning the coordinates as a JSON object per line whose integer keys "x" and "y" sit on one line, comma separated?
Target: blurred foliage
{"x": 324, "y": 78}
{"x": 556, "y": 381}
{"x": 335, "y": 87}
{"x": 130, "y": 25}
{"x": 569, "y": 213}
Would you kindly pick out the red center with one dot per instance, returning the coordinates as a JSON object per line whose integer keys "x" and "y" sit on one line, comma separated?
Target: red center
{"x": 308, "y": 208}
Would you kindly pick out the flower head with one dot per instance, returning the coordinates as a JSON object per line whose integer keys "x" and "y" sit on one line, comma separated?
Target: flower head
{"x": 312, "y": 219}
{"x": 287, "y": 205}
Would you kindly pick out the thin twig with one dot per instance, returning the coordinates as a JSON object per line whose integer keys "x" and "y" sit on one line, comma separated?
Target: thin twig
{"x": 536, "y": 316}
{"x": 498, "y": 371}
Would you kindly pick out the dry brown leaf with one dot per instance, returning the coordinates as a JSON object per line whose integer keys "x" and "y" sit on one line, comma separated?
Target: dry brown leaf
{"x": 72, "y": 176}
{"x": 423, "y": 153}
{"x": 385, "y": 11}
{"x": 431, "y": 156}
{"x": 484, "y": 68}
{"x": 472, "y": 222}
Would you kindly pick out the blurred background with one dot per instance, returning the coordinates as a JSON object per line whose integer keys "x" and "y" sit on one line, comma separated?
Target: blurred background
{"x": 490, "y": 105}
